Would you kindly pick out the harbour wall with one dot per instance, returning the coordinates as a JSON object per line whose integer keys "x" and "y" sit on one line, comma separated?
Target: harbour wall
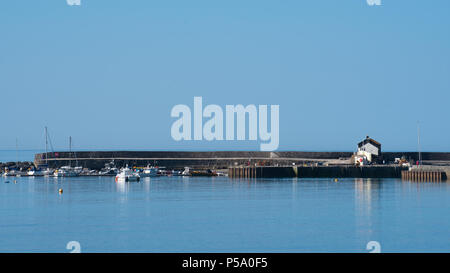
{"x": 215, "y": 159}
{"x": 317, "y": 172}
{"x": 180, "y": 159}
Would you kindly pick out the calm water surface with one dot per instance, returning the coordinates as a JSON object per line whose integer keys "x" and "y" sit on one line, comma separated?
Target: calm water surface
{"x": 185, "y": 214}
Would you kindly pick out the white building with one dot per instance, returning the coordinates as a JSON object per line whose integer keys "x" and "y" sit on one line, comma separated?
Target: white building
{"x": 368, "y": 151}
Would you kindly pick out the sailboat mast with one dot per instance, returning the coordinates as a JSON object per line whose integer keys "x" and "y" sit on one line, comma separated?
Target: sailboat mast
{"x": 418, "y": 143}
{"x": 70, "y": 151}
{"x": 17, "y": 151}
{"x": 46, "y": 146}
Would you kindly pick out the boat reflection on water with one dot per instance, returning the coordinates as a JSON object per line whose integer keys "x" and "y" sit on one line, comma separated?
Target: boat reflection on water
{"x": 367, "y": 197}
{"x": 121, "y": 187}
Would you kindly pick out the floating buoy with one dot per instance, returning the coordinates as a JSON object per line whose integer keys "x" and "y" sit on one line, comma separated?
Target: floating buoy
{"x": 15, "y": 181}
{"x": 60, "y": 190}
{"x": 336, "y": 180}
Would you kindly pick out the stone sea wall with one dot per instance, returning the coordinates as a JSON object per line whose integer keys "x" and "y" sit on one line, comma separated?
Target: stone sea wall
{"x": 214, "y": 159}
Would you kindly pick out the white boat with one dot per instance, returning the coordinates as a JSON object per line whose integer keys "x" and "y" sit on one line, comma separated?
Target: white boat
{"x": 39, "y": 172}
{"x": 21, "y": 173}
{"x": 149, "y": 172}
{"x": 35, "y": 173}
{"x": 176, "y": 173}
{"x": 65, "y": 171}
{"x": 186, "y": 172}
{"x": 109, "y": 169}
{"x": 109, "y": 172}
{"x": 127, "y": 175}
{"x": 13, "y": 173}
{"x": 78, "y": 170}
{"x": 47, "y": 172}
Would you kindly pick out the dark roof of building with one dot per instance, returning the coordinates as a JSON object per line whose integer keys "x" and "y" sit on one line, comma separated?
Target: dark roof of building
{"x": 371, "y": 141}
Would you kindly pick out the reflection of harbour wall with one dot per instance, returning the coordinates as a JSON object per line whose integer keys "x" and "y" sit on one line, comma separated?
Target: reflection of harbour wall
{"x": 222, "y": 159}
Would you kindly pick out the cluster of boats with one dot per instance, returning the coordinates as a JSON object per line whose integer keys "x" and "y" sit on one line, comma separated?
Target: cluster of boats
{"x": 68, "y": 171}
{"x": 129, "y": 175}
{"x": 31, "y": 172}
{"x": 64, "y": 171}
{"x": 123, "y": 174}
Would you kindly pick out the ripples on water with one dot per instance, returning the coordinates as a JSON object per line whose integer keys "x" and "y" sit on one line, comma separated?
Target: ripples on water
{"x": 187, "y": 214}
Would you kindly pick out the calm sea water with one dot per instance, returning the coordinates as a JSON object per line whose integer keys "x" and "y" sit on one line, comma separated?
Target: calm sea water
{"x": 186, "y": 214}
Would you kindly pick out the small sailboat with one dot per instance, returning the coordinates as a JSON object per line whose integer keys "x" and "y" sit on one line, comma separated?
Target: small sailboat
{"x": 13, "y": 172}
{"x": 17, "y": 171}
{"x": 69, "y": 171}
{"x": 65, "y": 171}
{"x": 8, "y": 173}
{"x": 47, "y": 171}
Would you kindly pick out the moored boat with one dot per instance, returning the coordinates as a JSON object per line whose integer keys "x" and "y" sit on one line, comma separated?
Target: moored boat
{"x": 203, "y": 173}
{"x": 127, "y": 175}
{"x": 65, "y": 171}
{"x": 109, "y": 170}
{"x": 13, "y": 173}
{"x": 149, "y": 172}
{"x": 35, "y": 172}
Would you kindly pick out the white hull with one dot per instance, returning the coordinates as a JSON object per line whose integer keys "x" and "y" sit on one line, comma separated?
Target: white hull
{"x": 60, "y": 174}
{"x": 65, "y": 172}
{"x": 17, "y": 174}
{"x": 35, "y": 173}
{"x": 126, "y": 175}
{"x": 149, "y": 174}
{"x": 47, "y": 172}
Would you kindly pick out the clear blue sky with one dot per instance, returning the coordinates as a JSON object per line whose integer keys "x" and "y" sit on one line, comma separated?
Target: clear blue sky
{"x": 109, "y": 72}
